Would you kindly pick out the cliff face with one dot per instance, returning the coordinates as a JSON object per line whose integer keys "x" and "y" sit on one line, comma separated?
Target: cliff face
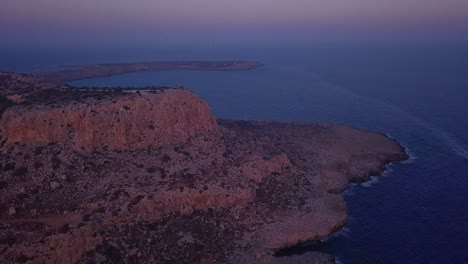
{"x": 126, "y": 122}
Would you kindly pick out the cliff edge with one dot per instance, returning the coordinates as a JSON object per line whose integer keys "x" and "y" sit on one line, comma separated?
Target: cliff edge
{"x": 120, "y": 121}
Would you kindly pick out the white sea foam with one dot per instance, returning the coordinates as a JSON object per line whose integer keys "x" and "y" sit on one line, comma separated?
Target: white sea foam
{"x": 343, "y": 232}
{"x": 372, "y": 181}
{"x": 388, "y": 171}
{"x": 412, "y": 156}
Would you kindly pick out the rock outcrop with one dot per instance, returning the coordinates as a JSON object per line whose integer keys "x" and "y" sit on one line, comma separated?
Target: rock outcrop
{"x": 108, "y": 176}
{"x": 143, "y": 120}
{"x": 18, "y": 86}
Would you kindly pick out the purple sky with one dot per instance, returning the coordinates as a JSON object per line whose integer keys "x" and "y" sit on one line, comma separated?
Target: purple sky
{"x": 48, "y": 17}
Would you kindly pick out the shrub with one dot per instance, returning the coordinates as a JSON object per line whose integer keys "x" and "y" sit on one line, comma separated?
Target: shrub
{"x": 151, "y": 170}
{"x": 166, "y": 158}
{"x": 20, "y": 172}
{"x": 9, "y": 166}
{"x": 3, "y": 184}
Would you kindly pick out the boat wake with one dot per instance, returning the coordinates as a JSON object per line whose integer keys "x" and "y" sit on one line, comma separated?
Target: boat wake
{"x": 448, "y": 140}
{"x": 457, "y": 147}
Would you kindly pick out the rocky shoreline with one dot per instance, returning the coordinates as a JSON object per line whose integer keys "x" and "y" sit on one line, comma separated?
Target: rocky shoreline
{"x": 153, "y": 177}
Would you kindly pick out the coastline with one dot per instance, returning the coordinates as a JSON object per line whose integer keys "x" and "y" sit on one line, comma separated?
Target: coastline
{"x": 335, "y": 184}
{"x": 157, "y": 171}
{"x": 303, "y": 251}
{"x": 87, "y": 71}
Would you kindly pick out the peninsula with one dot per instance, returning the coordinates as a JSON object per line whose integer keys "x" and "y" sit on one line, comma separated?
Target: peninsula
{"x": 78, "y": 72}
{"x": 151, "y": 176}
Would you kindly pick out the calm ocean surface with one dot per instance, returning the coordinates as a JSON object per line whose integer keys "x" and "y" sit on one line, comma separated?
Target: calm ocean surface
{"x": 418, "y": 211}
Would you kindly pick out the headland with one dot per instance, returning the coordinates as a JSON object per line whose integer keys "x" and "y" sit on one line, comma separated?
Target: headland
{"x": 78, "y": 72}
{"x": 151, "y": 176}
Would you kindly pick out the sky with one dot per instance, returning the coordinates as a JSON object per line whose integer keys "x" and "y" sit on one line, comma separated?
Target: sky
{"x": 21, "y": 20}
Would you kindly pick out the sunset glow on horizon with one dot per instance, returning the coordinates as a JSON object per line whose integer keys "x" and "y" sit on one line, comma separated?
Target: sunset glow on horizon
{"x": 121, "y": 20}
{"x": 211, "y": 13}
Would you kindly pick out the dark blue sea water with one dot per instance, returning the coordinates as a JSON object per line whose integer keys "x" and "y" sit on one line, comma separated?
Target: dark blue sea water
{"x": 418, "y": 211}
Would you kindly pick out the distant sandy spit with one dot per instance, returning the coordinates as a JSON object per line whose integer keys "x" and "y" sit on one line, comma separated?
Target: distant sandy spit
{"x": 79, "y": 72}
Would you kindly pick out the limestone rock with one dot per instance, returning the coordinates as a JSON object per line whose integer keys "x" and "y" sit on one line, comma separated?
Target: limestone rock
{"x": 127, "y": 122}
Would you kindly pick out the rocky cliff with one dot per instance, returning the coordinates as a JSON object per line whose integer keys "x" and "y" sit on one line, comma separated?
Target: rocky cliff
{"x": 127, "y": 121}
{"x": 149, "y": 176}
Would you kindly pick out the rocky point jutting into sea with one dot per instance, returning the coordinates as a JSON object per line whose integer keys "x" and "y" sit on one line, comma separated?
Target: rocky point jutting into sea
{"x": 151, "y": 176}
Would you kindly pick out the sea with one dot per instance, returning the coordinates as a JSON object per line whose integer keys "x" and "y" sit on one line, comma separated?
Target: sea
{"x": 416, "y": 93}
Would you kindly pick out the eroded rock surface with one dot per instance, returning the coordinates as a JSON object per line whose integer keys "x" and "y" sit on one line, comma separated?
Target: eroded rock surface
{"x": 149, "y": 119}
{"x": 193, "y": 190}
